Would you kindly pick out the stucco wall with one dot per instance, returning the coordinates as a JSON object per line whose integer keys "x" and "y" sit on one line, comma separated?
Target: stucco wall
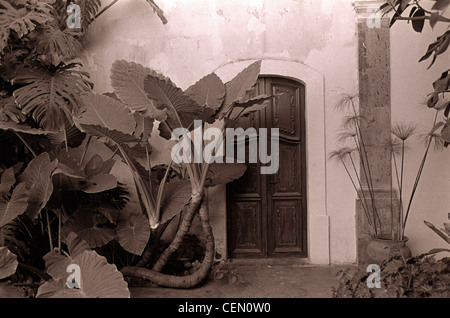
{"x": 411, "y": 82}
{"x": 203, "y": 36}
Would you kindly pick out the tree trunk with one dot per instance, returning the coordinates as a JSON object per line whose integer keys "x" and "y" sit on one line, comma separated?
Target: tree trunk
{"x": 184, "y": 227}
{"x": 152, "y": 245}
{"x": 188, "y": 281}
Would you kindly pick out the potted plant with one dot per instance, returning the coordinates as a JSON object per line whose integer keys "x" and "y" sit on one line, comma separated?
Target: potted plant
{"x": 387, "y": 234}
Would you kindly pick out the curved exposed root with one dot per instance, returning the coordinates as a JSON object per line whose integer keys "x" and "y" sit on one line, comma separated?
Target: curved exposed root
{"x": 184, "y": 227}
{"x": 188, "y": 281}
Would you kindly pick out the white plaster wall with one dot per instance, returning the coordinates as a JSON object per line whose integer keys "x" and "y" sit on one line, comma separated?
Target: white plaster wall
{"x": 203, "y": 36}
{"x": 411, "y": 82}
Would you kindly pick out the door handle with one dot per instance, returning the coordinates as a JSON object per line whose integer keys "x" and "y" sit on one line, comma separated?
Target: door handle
{"x": 273, "y": 182}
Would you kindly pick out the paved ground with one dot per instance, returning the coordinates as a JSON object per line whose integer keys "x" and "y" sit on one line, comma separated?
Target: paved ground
{"x": 256, "y": 279}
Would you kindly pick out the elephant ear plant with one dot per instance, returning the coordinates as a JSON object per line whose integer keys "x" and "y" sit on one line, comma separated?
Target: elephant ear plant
{"x": 143, "y": 95}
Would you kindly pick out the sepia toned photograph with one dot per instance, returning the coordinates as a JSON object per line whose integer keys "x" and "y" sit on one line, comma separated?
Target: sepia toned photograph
{"x": 224, "y": 156}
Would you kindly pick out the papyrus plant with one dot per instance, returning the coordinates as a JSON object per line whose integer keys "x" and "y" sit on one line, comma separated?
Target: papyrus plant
{"x": 354, "y": 153}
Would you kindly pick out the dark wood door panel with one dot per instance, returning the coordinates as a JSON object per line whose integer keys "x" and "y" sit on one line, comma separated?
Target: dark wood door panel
{"x": 287, "y": 226}
{"x": 246, "y": 222}
{"x": 289, "y": 175}
{"x": 285, "y": 112}
{"x": 266, "y": 214}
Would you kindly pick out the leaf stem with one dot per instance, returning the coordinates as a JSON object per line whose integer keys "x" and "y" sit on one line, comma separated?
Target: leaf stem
{"x": 159, "y": 196}
{"x": 25, "y": 143}
{"x": 439, "y": 18}
{"x": 65, "y": 140}
{"x": 366, "y": 167}
{"x": 49, "y": 230}
{"x": 401, "y": 183}
{"x": 104, "y": 9}
{"x": 85, "y": 149}
{"x": 359, "y": 192}
{"x": 419, "y": 174}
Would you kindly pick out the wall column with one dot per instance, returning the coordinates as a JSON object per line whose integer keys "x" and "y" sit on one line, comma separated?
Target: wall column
{"x": 375, "y": 109}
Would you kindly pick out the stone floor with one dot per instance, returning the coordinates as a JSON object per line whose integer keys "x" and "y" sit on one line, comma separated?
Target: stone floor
{"x": 257, "y": 279}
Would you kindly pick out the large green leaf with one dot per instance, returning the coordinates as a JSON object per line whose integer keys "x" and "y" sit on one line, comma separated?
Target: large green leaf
{"x": 133, "y": 231}
{"x": 9, "y": 111}
{"x": 120, "y": 140}
{"x": 175, "y": 196}
{"x": 24, "y": 239}
{"x": 181, "y": 109}
{"x": 22, "y": 128}
{"x": 71, "y": 134}
{"x": 209, "y": 92}
{"x": 144, "y": 126}
{"x": 237, "y": 88}
{"x": 96, "y": 166}
{"x": 90, "y": 226}
{"x": 57, "y": 288}
{"x": 138, "y": 151}
{"x": 8, "y": 262}
{"x": 109, "y": 211}
{"x": 38, "y": 179}
{"x": 249, "y": 106}
{"x": 89, "y": 8}
{"x": 441, "y": 5}
{"x": 52, "y": 98}
{"x": 21, "y": 20}
{"x": 98, "y": 278}
{"x": 418, "y": 23}
{"x": 7, "y": 180}
{"x": 8, "y": 290}
{"x": 66, "y": 164}
{"x": 12, "y": 207}
{"x": 99, "y": 183}
{"x": 445, "y": 133}
{"x": 56, "y": 263}
{"x": 127, "y": 79}
{"x": 106, "y": 112}
{"x": 75, "y": 244}
{"x": 58, "y": 45}
{"x": 113, "y": 137}
{"x": 438, "y": 47}
{"x": 222, "y": 173}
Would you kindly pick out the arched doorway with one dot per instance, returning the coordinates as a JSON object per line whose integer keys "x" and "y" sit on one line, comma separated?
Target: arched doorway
{"x": 266, "y": 214}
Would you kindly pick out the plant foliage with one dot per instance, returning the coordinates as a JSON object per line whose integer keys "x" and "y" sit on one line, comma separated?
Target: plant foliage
{"x": 51, "y": 97}
{"x": 417, "y": 12}
{"x": 422, "y": 276}
{"x": 99, "y": 279}
{"x": 71, "y": 139}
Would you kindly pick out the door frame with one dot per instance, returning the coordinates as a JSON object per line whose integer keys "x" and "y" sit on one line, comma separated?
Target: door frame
{"x": 317, "y": 218}
{"x": 268, "y": 198}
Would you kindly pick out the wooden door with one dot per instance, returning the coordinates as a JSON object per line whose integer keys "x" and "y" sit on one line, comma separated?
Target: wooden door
{"x": 266, "y": 214}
